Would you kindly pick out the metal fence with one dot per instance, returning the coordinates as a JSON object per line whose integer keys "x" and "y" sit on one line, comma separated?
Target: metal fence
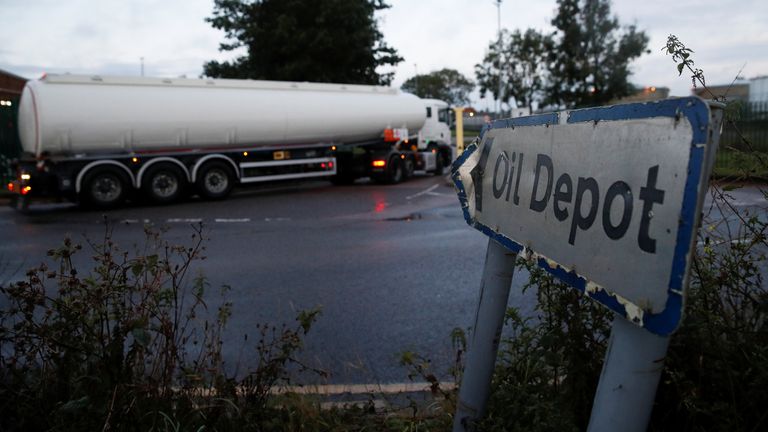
{"x": 10, "y": 146}
{"x": 736, "y": 156}
{"x": 751, "y": 119}
{"x": 745, "y": 132}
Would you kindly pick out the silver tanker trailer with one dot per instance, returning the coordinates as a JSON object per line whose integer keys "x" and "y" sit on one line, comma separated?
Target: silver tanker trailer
{"x": 99, "y": 140}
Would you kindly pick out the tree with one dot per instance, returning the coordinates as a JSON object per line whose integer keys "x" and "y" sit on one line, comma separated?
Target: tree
{"x": 303, "y": 40}
{"x": 589, "y": 63}
{"x": 446, "y": 84}
{"x": 523, "y": 59}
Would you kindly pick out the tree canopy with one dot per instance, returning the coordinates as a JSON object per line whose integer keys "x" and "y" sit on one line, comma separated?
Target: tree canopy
{"x": 446, "y": 84}
{"x": 302, "y": 40}
{"x": 589, "y": 64}
{"x": 584, "y": 62}
{"x": 523, "y": 60}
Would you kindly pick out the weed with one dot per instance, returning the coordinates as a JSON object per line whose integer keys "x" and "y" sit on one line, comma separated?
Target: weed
{"x": 131, "y": 345}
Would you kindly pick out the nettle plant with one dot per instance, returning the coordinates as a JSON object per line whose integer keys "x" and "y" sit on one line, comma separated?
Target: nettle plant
{"x": 133, "y": 345}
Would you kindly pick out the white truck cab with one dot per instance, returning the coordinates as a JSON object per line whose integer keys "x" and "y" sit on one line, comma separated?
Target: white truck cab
{"x": 436, "y": 129}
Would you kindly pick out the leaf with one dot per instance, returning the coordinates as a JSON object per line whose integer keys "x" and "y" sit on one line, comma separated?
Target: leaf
{"x": 136, "y": 268}
{"x": 307, "y": 318}
{"x": 141, "y": 336}
{"x": 680, "y": 69}
{"x": 75, "y": 405}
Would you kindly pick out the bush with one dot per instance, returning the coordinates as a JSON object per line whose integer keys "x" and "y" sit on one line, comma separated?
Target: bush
{"x": 548, "y": 366}
{"x": 716, "y": 370}
{"x": 130, "y": 346}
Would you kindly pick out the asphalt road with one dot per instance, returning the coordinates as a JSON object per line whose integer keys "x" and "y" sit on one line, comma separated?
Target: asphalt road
{"x": 394, "y": 268}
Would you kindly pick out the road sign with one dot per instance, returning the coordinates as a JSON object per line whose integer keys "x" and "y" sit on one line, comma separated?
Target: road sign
{"x": 606, "y": 199}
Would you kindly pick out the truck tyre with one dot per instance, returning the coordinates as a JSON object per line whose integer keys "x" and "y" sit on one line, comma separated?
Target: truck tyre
{"x": 104, "y": 188}
{"x": 438, "y": 164}
{"x": 408, "y": 167}
{"x": 163, "y": 183}
{"x": 215, "y": 180}
{"x": 395, "y": 170}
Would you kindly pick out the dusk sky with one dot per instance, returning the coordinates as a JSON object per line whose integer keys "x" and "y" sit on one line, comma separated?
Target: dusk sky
{"x": 110, "y": 37}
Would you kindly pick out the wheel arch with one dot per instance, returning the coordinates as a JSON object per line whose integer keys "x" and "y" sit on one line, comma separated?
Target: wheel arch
{"x": 81, "y": 175}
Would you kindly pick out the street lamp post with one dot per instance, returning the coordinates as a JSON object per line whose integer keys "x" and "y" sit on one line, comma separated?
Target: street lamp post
{"x": 498, "y": 17}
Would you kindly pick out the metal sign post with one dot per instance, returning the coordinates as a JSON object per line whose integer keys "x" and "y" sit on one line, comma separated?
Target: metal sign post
{"x": 631, "y": 372}
{"x": 607, "y": 200}
{"x": 489, "y": 319}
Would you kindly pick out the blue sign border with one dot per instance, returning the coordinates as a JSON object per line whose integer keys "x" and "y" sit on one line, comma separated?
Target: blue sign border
{"x": 696, "y": 112}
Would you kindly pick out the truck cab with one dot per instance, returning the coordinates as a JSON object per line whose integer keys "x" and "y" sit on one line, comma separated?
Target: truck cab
{"x": 436, "y": 129}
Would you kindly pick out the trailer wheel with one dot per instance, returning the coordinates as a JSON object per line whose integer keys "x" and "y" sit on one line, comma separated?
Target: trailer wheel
{"x": 215, "y": 180}
{"x": 163, "y": 183}
{"x": 104, "y": 188}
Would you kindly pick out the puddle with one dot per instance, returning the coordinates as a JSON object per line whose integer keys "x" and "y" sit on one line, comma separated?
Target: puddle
{"x": 408, "y": 218}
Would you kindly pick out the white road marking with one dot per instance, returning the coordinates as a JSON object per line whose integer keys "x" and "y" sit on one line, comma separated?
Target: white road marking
{"x": 277, "y": 219}
{"x": 348, "y": 389}
{"x": 241, "y": 220}
{"x": 354, "y": 389}
{"x": 424, "y": 192}
{"x": 190, "y": 220}
{"x": 736, "y": 241}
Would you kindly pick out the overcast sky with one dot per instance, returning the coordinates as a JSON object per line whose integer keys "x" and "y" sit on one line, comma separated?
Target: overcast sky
{"x": 111, "y": 36}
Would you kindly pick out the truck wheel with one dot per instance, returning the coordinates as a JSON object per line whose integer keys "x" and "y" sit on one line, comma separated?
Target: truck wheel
{"x": 438, "y": 164}
{"x": 408, "y": 167}
{"x": 395, "y": 171}
{"x": 215, "y": 180}
{"x": 163, "y": 183}
{"x": 104, "y": 188}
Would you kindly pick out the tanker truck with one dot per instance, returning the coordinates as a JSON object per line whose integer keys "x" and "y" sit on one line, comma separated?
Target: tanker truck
{"x": 99, "y": 140}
